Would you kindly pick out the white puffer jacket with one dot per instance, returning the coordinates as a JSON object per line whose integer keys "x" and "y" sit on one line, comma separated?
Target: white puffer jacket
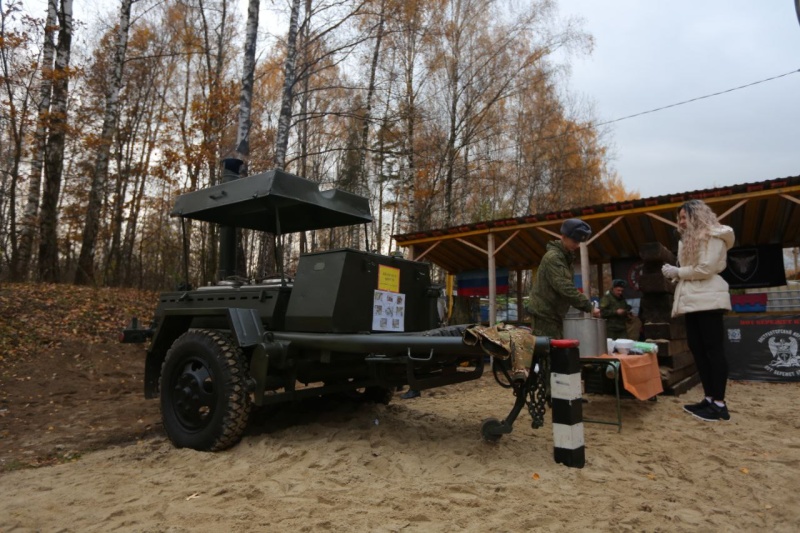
{"x": 700, "y": 287}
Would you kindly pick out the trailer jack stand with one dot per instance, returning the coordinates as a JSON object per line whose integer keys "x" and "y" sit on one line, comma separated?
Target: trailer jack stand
{"x": 530, "y": 392}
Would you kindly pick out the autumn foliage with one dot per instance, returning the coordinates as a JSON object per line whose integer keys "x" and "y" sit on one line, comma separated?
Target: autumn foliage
{"x": 441, "y": 112}
{"x": 38, "y": 317}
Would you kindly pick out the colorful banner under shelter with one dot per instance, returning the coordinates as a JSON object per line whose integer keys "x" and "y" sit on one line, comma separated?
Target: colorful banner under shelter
{"x": 476, "y": 282}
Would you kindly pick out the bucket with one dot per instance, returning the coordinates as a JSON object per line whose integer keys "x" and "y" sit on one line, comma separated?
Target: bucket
{"x": 591, "y": 332}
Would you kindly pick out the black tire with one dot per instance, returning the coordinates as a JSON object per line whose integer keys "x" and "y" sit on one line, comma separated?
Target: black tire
{"x": 381, "y": 395}
{"x": 490, "y": 430}
{"x": 204, "y": 400}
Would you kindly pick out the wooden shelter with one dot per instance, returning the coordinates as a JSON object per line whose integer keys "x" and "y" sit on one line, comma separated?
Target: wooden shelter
{"x": 766, "y": 212}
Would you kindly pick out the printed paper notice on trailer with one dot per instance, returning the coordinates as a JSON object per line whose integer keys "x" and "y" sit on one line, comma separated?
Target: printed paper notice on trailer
{"x": 388, "y": 311}
{"x": 388, "y": 278}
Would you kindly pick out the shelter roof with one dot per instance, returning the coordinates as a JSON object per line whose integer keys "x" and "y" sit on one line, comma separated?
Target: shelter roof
{"x": 765, "y": 212}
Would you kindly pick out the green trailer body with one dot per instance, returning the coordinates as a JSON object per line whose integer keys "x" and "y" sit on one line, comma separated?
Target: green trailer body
{"x": 349, "y": 321}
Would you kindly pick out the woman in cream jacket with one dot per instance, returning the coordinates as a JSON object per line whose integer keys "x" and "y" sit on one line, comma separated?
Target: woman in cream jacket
{"x": 702, "y": 296}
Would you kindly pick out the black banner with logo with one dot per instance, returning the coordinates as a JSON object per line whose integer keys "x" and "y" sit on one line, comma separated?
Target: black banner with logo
{"x": 629, "y": 270}
{"x": 763, "y": 348}
{"x": 755, "y": 266}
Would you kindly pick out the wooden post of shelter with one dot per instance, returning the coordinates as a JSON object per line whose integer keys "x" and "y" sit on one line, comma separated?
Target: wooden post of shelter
{"x": 519, "y": 296}
{"x": 492, "y": 281}
{"x": 600, "y": 285}
{"x": 585, "y": 269}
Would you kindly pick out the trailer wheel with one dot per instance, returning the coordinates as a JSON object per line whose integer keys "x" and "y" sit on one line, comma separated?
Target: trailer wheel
{"x": 204, "y": 401}
{"x": 490, "y": 430}
{"x": 378, "y": 395}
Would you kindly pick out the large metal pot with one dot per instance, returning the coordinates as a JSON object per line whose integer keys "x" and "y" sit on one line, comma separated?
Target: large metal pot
{"x": 591, "y": 332}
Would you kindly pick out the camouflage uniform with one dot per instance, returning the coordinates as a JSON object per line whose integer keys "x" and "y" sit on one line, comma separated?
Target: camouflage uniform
{"x": 554, "y": 291}
{"x": 616, "y": 324}
{"x": 503, "y": 342}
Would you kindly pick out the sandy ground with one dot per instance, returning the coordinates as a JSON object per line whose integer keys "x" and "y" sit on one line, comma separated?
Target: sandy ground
{"x": 421, "y": 465}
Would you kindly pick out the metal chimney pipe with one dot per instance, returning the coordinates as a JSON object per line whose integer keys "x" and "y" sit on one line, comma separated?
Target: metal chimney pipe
{"x": 227, "y": 235}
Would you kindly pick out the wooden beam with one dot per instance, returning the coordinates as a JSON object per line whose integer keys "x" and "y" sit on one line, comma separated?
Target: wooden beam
{"x": 732, "y": 209}
{"x": 492, "y": 282}
{"x": 790, "y": 198}
{"x": 600, "y": 284}
{"x": 507, "y": 240}
{"x": 662, "y": 219}
{"x": 467, "y": 243}
{"x": 553, "y": 233}
{"x": 585, "y": 271}
{"x": 430, "y": 248}
{"x": 605, "y": 229}
{"x": 520, "y": 306}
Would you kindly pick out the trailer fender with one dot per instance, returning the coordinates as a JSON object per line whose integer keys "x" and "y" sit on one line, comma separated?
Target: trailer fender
{"x": 244, "y": 324}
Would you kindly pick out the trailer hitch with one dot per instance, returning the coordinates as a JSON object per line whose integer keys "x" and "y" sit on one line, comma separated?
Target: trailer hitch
{"x": 134, "y": 334}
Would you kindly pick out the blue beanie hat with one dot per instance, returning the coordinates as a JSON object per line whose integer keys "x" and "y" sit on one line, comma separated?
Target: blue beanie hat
{"x": 576, "y": 229}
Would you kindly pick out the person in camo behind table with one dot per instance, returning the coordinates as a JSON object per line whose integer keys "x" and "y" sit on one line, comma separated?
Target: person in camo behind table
{"x": 616, "y": 310}
{"x": 702, "y": 296}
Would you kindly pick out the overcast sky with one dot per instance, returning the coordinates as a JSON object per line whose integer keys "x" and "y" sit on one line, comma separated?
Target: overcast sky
{"x": 649, "y": 54}
{"x": 654, "y": 53}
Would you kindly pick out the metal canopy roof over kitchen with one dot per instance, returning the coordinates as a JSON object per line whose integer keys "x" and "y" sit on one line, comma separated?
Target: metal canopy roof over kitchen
{"x": 274, "y": 201}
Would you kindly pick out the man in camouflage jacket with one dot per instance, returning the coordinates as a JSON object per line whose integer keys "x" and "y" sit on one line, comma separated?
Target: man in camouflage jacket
{"x": 553, "y": 289}
{"x": 616, "y": 310}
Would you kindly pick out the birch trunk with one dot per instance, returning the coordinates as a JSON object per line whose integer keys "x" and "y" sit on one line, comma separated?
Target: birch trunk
{"x": 285, "y": 119}
{"x": 85, "y": 272}
{"x": 362, "y": 163}
{"x": 54, "y": 152}
{"x": 31, "y": 211}
{"x": 246, "y": 96}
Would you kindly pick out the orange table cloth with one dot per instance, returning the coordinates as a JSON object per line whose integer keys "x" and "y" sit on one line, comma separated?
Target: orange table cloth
{"x": 640, "y": 375}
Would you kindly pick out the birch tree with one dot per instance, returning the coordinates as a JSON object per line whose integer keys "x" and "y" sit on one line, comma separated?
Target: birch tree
{"x": 48, "y": 267}
{"x": 483, "y": 54}
{"x": 248, "y": 75}
{"x": 287, "y": 98}
{"x": 85, "y": 271}
{"x": 376, "y": 54}
{"x": 410, "y": 30}
{"x": 28, "y": 224}
{"x": 17, "y": 75}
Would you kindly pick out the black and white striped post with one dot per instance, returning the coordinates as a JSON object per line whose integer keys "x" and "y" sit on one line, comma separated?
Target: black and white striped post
{"x": 565, "y": 390}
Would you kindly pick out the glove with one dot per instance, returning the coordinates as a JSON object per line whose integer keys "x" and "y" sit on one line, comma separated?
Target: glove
{"x": 669, "y": 271}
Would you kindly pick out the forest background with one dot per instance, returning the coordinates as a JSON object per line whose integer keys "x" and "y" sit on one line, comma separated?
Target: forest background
{"x": 441, "y": 112}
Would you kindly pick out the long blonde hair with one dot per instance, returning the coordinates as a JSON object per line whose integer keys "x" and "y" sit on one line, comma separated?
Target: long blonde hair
{"x": 700, "y": 220}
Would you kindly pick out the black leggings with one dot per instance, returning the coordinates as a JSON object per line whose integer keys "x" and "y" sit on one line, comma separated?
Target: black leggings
{"x": 706, "y": 336}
